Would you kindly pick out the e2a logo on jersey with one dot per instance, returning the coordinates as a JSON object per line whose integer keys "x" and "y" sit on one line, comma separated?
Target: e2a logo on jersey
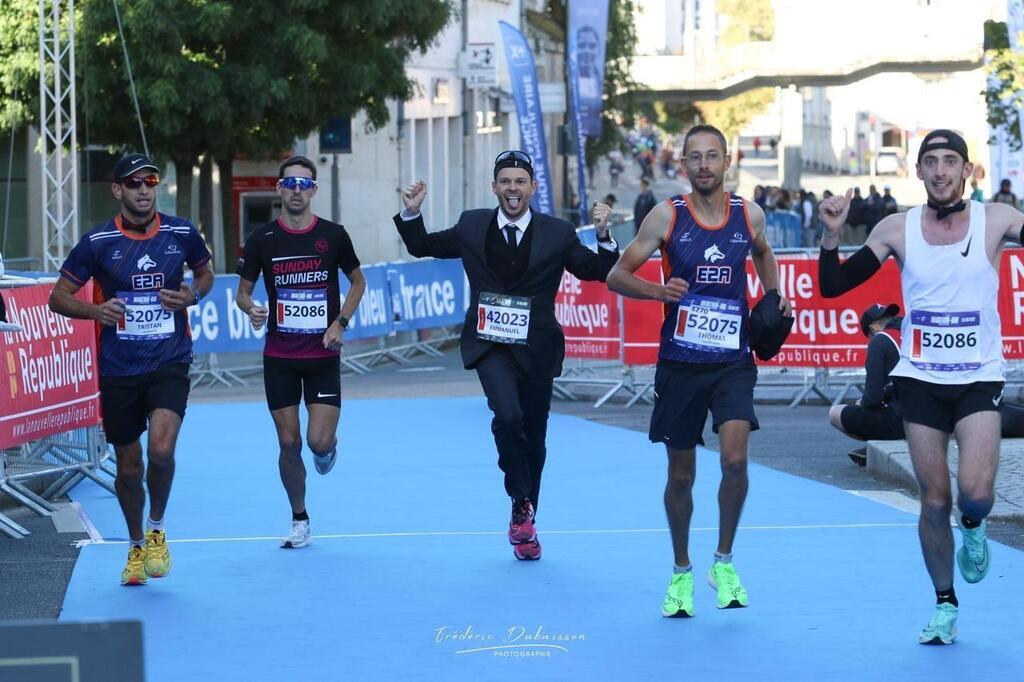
{"x": 714, "y": 274}
{"x": 148, "y": 280}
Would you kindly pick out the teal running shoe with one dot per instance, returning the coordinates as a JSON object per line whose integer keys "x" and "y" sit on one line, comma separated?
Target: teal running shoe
{"x": 973, "y": 557}
{"x": 942, "y": 627}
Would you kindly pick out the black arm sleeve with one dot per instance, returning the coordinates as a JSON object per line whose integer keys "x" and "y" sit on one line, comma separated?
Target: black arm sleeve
{"x": 835, "y": 279}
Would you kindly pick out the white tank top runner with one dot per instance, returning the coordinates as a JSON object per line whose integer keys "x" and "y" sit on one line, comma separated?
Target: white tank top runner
{"x": 951, "y": 331}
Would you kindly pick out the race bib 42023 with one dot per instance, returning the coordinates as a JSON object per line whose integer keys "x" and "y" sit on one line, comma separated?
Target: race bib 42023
{"x": 503, "y": 319}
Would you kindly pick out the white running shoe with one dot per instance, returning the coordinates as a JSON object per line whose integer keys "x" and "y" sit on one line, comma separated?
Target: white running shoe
{"x": 298, "y": 537}
{"x": 326, "y": 462}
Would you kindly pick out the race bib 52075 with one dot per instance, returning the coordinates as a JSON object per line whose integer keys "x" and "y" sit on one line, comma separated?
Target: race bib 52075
{"x": 709, "y": 323}
{"x": 144, "y": 318}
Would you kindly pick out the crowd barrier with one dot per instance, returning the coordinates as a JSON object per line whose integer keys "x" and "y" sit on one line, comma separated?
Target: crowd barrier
{"x": 49, "y": 381}
{"x": 826, "y": 337}
{"x": 49, "y": 401}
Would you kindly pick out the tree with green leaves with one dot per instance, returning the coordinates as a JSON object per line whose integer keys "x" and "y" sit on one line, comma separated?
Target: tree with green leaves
{"x": 224, "y": 79}
{"x": 19, "y": 63}
{"x": 1004, "y": 92}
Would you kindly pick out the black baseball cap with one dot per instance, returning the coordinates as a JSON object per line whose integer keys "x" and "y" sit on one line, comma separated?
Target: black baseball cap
{"x": 132, "y": 163}
{"x": 953, "y": 143}
{"x": 513, "y": 158}
{"x": 875, "y": 313}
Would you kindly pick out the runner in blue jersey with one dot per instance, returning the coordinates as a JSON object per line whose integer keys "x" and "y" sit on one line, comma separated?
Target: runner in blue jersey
{"x": 137, "y": 261}
{"x": 299, "y": 256}
{"x": 704, "y": 361}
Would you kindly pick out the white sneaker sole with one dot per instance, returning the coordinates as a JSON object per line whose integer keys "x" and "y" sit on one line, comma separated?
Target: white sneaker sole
{"x": 288, "y": 544}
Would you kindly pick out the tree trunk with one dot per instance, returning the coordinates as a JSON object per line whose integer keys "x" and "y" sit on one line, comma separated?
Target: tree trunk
{"x": 206, "y": 195}
{"x": 183, "y": 178}
{"x": 232, "y": 248}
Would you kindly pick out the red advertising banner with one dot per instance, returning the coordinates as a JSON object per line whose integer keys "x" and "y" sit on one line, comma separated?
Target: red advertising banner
{"x": 49, "y": 377}
{"x": 642, "y": 320}
{"x": 589, "y": 315}
{"x": 826, "y": 331}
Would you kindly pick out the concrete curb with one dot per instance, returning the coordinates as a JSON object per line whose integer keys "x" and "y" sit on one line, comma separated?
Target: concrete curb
{"x": 890, "y": 461}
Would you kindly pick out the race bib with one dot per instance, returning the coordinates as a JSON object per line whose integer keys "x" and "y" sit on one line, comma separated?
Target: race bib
{"x": 302, "y": 311}
{"x": 708, "y": 323}
{"x": 503, "y": 319}
{"x": 945, "y": 342}
{"x": 144, "y": 318}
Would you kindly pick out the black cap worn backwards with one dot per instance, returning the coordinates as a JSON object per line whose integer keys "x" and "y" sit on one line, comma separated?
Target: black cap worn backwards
{"x": 875, "y": 313}
{"x": 132, "y": 163}
{"x": 513, "y": 158}
{"x": 953, "y": 142}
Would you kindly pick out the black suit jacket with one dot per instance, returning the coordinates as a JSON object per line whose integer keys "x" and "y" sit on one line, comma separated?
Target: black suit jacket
{"x": 554, "y": 247}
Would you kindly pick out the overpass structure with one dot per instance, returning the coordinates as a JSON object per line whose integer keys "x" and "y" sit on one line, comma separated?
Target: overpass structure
{"x": 826, "y": 46}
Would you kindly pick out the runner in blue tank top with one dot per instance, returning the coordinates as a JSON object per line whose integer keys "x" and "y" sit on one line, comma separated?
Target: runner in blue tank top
{"x": 704, "y": 360}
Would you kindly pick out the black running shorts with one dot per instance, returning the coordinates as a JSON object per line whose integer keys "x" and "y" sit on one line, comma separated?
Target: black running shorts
{"x": 288, "y": 381}
{"x": 876, "y": 423}
{"x": 941, "y": 406}
{"x": 129, "y": 400}
{"x": 685, "y": 392}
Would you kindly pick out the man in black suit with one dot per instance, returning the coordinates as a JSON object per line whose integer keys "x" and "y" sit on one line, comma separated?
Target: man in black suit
{"x": 514, "y": 260}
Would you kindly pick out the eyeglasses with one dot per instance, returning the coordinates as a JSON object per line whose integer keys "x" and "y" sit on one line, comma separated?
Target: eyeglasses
{"x": 133, "y": 182}
{"x": 514, "y": 154}
{"x": 297, "y": 183}
{"x": 695, "y": 157}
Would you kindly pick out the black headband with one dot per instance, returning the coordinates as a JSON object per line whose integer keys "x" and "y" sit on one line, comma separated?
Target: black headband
{"x": 513, "y": 158}
{"x": 953, "y": 142}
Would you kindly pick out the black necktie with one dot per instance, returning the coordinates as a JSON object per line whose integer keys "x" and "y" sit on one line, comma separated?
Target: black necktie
{"x": 510, "y": 232}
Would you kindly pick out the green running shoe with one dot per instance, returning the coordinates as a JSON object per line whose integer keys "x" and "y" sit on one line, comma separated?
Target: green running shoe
{"x": 973, "y": 557}
{"x": 723, "y": 579}
{"x": 942, "y": 627}
{"x": 679, "y": 598}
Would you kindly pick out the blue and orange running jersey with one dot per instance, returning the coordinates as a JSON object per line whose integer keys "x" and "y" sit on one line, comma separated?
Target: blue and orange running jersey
{"x": 711, "y": 323}
{"x": 133, "y": 267}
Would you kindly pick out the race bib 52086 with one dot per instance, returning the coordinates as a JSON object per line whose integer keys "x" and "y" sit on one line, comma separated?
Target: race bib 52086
{"x": 945, "y": 342}
{"x": 302, "y": 311}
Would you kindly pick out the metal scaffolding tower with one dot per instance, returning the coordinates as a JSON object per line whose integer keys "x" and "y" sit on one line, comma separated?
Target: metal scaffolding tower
{"x": 58, "y": 140}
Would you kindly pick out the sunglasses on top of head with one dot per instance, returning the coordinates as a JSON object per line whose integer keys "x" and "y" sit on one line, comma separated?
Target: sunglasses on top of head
{"x": 297, "y": 183}
{"x": 514, "y": 154}
{"x": 135, "y": 182}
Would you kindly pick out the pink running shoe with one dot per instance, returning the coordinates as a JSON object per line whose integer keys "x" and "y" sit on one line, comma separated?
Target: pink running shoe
{"x": 527, "y": 551}
{"x": 521, "y": 529}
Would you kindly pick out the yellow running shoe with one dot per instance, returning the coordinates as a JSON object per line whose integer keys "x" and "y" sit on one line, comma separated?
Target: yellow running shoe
{"x": 134, "y": 572}
{"x": 158, "y": 558}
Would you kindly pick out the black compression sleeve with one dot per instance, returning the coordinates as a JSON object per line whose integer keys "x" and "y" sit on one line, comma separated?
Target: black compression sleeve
{"x": 835, "y": 279}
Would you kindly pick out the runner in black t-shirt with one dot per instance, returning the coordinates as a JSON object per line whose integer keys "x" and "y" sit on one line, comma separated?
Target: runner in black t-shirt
{"x": 299, "y": 256}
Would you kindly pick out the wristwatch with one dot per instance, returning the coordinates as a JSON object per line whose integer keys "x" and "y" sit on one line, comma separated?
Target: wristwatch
{"x": 195, "y": 293}
{"x": 343, "y": 321}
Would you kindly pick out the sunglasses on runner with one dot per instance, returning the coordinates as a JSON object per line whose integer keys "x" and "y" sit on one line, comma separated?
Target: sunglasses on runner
{"x": 297, "y": 183}
{"x": 514, "y": 154}
{"x": 133, "y": 182}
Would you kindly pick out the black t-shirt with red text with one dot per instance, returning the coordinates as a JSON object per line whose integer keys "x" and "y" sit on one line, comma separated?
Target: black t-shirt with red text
{"x": 300, "y": 271}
